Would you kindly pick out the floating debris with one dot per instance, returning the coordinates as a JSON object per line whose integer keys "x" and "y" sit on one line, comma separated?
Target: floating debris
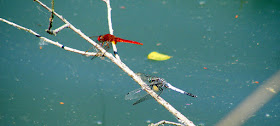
{"x": 255, "y": 82}
{"x": 99, "y": 122}
{"x": 148, "y": 121}
{"x": 189, "y": 103}
{"x": 158, "y": 44}
{"x": 202, "y": 2}
{"x": 42, "y": 43}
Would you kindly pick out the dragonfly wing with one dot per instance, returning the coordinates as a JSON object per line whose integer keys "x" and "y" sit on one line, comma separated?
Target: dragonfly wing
{"x": 144, "y": 77}
{"x": 150, "y": 80}
{"x": 146, "y": 97}
{"x": 138, "y": 93}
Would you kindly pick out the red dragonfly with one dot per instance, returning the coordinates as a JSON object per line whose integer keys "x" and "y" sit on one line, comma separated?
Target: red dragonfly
{"x": 112, "y": 38}
{"x": 107, "y": 38}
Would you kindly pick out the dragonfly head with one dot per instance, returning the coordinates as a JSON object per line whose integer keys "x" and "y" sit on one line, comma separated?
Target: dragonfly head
{"x": 100, "y": 38}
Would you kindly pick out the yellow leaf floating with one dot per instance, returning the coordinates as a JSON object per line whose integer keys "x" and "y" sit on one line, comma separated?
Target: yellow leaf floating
{"x": 158, "y": 56}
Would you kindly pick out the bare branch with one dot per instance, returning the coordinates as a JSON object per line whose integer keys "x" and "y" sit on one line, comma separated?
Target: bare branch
{"x": 73, "y": 28}
{"x": 137, "y": 79}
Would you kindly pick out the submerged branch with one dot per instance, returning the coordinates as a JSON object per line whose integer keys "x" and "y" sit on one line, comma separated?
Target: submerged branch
{"x": 162, "y": 122}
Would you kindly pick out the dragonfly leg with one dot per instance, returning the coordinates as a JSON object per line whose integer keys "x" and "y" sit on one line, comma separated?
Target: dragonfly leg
{"x": 106, "y": 47}
{"x": 101, "y": 44}
{"x": 89, "y": 49}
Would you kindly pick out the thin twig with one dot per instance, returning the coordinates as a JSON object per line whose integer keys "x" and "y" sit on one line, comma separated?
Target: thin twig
{"x": 60, "y": 28}
{"x": 109, "y": 16}
{"x": 51, "y": 20}
{"x": 144, "y": 86}
{"x": 109, "y": 9}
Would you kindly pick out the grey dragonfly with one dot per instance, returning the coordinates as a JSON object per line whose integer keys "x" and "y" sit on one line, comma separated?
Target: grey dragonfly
{"x": 155, "y": 83}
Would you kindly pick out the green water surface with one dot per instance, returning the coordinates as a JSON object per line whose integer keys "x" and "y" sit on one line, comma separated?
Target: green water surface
{"x": 219, "y": 49}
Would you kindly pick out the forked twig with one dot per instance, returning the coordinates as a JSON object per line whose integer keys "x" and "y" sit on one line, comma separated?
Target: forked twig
{"x": 48, "y": 40}
{"x": 137, "y": 79}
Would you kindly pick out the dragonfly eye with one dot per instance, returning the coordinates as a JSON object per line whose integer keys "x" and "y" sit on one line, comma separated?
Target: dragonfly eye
{"x": 100, "y": 37}
{"x": 151, "y": 81}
